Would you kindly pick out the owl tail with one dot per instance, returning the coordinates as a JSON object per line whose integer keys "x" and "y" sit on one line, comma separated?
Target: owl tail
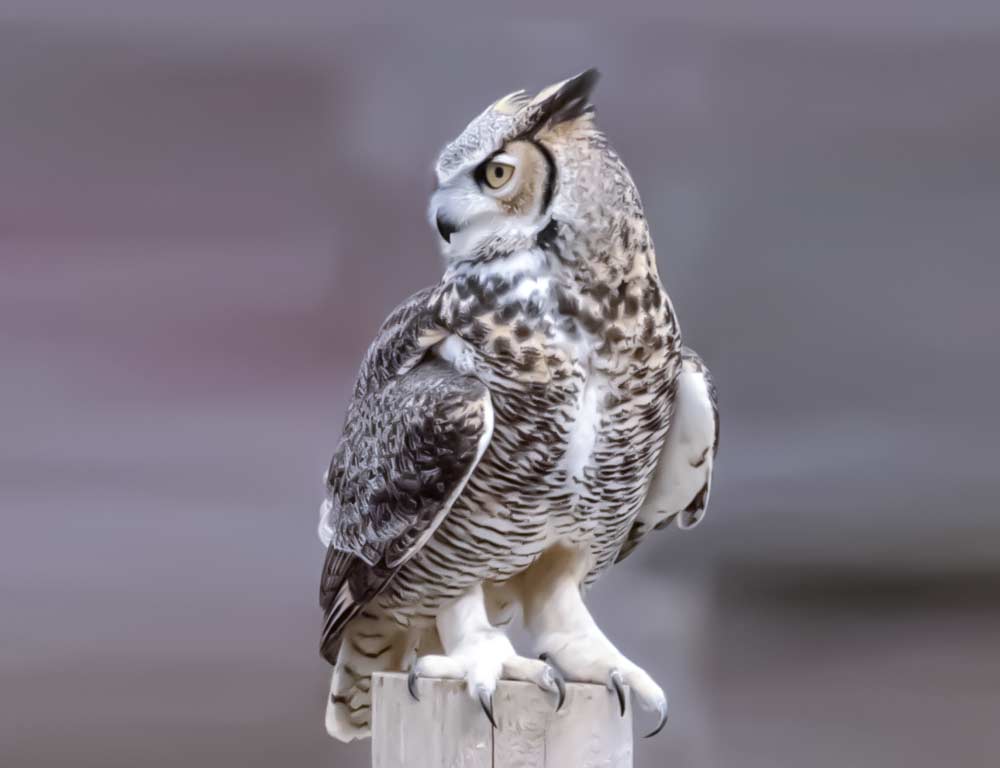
{"x": 369, "y": 644}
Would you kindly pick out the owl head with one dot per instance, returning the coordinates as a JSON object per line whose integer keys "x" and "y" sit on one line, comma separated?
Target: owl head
{"x": 524, "y": 168}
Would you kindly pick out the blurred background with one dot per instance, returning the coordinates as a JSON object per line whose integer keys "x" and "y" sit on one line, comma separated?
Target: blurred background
{"x": 207, "y": 208}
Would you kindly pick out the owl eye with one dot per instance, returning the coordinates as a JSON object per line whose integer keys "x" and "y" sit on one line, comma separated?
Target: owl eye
{"x": 497, "y": 174}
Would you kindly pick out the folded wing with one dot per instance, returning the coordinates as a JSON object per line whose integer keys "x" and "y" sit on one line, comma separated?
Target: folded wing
{"x": 682, "y": 481}
{"x": 414, "y": 433}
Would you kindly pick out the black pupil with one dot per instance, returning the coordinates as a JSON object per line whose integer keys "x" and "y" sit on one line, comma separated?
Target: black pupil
{"x": 498, "y": 171}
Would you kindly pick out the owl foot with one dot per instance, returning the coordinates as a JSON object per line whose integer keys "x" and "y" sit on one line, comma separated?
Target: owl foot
{"x": 481, "y": 665}
{"x": 480, "y": 654}
{"x": 591, "y": 658}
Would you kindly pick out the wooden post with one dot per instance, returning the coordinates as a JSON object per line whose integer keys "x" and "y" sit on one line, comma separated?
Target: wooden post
{"x": 448, "y": 729}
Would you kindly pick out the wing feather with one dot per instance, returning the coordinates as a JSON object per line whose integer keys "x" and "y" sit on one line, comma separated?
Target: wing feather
{"x": 414, "y": 433}
{"x": 683, "y": 478}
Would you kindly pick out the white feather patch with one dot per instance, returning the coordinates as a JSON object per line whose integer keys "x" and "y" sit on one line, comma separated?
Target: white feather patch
{"x": 685, "y": 465}
{"x": 583, "y": 434}
{"x": 325, "y": 527}
{"x": 459, "y": 353}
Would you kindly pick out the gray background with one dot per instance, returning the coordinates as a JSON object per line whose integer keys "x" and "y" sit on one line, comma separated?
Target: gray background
{"x": 207, "y": 208}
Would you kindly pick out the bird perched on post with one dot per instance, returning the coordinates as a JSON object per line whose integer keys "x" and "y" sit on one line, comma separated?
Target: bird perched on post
{"x": 516, "y": 428}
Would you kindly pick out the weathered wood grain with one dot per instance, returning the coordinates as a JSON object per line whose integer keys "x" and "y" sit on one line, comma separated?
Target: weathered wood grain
{"x": 447, "y": 729}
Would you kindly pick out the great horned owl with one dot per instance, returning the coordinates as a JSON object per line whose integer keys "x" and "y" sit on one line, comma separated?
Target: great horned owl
{"x": 516, "y": 428}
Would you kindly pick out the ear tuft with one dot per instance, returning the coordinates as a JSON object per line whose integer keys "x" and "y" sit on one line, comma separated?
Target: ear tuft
{"x": 564, "y": 101}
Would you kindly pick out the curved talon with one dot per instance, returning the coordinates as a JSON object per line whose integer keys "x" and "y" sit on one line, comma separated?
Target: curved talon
{"x": 557, "y": 677}
{"x": 487, "y": 703}
{"x": 560, "y": 681}
{"x": 618, "y": 685}
{"x": 663, "y": 721}
{"x": 411, "y": 684}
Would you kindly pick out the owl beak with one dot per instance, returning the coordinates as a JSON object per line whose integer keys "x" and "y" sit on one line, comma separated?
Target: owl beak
{"x": 445, "y": 227}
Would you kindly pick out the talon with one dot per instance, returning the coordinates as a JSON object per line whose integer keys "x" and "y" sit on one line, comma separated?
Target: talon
{"x": 547, "y": 658}
{"x": 618, "y": 685}
{"x": 663, "y": 721}
{"x": 486, "y": 700}
{"x": 411, "y": 683}
{"x": 557, "y": 681}
{"x": 557, "y": 677}
{"x": 560, "y": 688}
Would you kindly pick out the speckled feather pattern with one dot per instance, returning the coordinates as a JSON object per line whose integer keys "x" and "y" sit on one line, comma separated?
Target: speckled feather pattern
{"x": 600, "y": 294}
{"x": 521, "y": 498}
{"x": 410, "y": 437}
{"x": 566, "y": 337}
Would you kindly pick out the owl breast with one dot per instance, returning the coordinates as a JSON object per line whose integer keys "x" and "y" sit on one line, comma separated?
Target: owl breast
{"x": 550, "y": 387}
{"x": 580, "y": 383}
{"x": 580, "y": 377}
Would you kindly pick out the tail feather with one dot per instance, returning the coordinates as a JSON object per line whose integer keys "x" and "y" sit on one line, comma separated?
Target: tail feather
{"x": 340, "y": 612}
{"x": 368, "y": 644}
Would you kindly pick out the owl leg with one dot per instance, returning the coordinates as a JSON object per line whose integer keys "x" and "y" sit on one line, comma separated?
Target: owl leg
{"x": 567, "y": 636}
{"x": 480, "y": 654}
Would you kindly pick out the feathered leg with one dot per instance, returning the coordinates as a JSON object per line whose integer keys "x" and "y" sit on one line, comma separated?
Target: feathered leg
{"x": 567, "y": 636}
{"x": 480, "y": 653}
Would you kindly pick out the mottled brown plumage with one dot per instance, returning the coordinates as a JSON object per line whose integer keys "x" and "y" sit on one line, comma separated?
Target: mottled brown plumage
{"x": 508, "y": 430}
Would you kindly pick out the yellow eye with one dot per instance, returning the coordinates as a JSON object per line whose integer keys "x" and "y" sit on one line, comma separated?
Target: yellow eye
{"x": 498, "y": 174}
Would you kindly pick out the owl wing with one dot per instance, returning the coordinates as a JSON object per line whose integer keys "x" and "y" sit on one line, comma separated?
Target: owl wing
{"x": 415, "y": 431}
{"x": 682, "y": 480}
